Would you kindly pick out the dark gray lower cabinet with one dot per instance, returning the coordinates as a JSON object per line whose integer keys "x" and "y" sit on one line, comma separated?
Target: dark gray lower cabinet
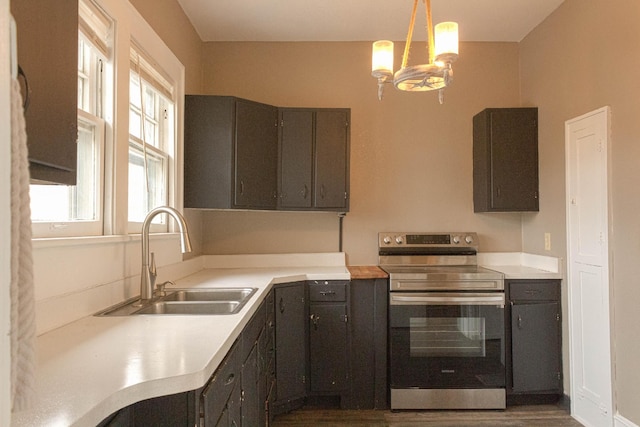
{"x": 368, "y": 344}
{"x": 290, "y": 346}
{"x": 328, "y": 338}
{"x": 534, "y": 340}
{"x": 219, "y": 398}
{"x": 164, "y": 411}
{"x": 268, "y": 361}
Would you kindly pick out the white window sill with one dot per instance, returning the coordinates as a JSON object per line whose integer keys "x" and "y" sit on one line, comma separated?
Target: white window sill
{"x": 53, "y": 242}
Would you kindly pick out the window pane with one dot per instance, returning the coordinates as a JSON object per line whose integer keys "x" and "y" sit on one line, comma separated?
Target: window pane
{"x": 149, "y": 102}
{"x": 135, "y": 123}
{"x": 134, "y": 91}
{"x": 151, "y": 132}
{"x": 62, "y": 203}
{"x": 141, "y": 201}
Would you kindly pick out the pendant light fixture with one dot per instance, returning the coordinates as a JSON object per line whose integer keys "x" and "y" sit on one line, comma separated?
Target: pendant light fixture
{"x": 442, "y": 51}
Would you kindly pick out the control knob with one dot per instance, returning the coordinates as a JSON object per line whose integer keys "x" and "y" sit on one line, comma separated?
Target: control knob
{"x": 468, "y": 239}
{"x": 399, "y": 240}
{"x": 386, "y": 240}
{"x": 456, "y": 239}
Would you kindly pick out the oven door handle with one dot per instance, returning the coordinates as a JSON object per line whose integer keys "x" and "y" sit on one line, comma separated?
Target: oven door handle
{"x": 446, "y": 299}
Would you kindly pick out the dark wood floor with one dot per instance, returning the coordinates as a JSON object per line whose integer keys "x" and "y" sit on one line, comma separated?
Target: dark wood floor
{"x": 516, "y": 416}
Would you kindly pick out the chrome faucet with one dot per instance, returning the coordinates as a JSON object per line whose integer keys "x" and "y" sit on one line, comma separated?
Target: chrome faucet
{"x": 148, "y": 274}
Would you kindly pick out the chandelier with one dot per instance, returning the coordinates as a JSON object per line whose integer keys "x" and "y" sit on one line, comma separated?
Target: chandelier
{"x": 437, "y": 74}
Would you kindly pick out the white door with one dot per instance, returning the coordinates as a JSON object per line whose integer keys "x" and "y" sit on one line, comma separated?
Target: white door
{"x": 586, "y": 143}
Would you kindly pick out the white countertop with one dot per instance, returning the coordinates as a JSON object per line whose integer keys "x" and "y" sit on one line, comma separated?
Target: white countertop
{"x": 516, "y": 265}
{"x": 97, "y": 365}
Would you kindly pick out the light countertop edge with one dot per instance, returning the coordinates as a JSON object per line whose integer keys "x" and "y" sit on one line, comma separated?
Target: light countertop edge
{"x": 95, "y": 366}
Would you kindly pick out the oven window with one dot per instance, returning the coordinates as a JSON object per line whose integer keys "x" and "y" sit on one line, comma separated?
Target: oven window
{"x": 446, "y": 346}
{"x": 447, "y": 337}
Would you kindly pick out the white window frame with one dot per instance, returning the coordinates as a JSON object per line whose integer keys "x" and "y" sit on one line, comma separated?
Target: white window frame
{"x": 144, "y": 38}
{"x": 165, "y": 134}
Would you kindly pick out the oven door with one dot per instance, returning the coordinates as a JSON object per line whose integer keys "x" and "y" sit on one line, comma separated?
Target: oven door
{"x": 446, "y": 340}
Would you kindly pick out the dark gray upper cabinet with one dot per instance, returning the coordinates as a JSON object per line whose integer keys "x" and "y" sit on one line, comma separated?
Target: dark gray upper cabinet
{"x": 314, "y": 159}
{"x": 48, "y": 55}
{"x": 296, "y": 158}
{"x": 230, "y": 152}
{"x": 332, "y": 160}
{"x": 237, "y": 157}
{"x": 505, "y": 160}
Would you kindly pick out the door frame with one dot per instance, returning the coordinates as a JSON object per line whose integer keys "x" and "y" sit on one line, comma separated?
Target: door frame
{"x": 573, "y": 303}
{"x": 5, "y": 217}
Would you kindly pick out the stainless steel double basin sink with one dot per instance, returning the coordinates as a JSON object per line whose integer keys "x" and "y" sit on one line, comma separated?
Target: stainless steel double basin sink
{"x": 197, "y": 301}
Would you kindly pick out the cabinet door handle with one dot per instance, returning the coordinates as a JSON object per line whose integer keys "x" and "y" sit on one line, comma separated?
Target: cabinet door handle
{"x": 305, "y": 191}
{"x": 241, "y": 187}
{"x": 322, "y": 191}
{"x": 230, "y": 379}
{"x": 27, "y": 97}
{"x": 519, "y": 322}
{"x": 281, "y": 305}
{"x": 314, "y": 320}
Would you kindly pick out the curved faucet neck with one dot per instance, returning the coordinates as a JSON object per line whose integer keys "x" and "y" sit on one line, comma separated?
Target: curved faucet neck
{"x": 147, "y": 277}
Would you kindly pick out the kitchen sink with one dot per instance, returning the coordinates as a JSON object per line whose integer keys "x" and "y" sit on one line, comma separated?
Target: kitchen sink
{"x": 221, "y": 294}
{"x": 192, "y": 307}
{"x": 201, "y": 301}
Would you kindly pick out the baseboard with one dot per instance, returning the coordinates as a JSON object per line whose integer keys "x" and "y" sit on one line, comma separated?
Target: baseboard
{"x": 620, "y": 421}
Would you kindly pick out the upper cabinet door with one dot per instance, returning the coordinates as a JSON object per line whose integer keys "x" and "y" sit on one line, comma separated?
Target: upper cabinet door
{"x": 230, "y": 153}
{"x": 296, "y": 158}
{"x": 256, "y": 155}
{"x": 48, "y": 55}
{"x": 332, "y": 159}
{"x": 505, "y": 160}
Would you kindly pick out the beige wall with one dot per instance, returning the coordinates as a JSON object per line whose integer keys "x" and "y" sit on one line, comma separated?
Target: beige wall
{"x": 583, "y": 57}
{"x": 411, "y": 164}
{"x": 169, "y": 21}
{"x": 411, "y": 158}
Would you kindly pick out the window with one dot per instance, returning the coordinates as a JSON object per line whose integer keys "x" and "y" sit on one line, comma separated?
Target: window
{"x": 60, "y": 210}
{"x": 129, "y": 145}
{"x": 152, "y": 140}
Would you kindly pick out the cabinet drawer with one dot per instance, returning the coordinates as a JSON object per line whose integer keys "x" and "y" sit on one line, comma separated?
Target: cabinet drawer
{"x": 534, "y": 290}
{"x": 324, "y": 290}
{"x": 216, "y": 393}
{"x": 252, "y": 331}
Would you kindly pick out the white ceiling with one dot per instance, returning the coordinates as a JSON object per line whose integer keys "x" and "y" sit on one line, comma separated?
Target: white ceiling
{"x": 361, "y": 20}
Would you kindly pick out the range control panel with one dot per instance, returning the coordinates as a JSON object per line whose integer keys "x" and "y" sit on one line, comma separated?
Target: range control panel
{"x": 426, "y": 240}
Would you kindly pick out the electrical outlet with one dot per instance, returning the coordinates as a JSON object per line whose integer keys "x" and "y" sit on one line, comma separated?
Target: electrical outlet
{"x": 547, "y": 241}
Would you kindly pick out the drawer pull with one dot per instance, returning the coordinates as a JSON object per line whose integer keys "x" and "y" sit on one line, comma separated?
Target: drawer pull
{"x": 325, "y": 293}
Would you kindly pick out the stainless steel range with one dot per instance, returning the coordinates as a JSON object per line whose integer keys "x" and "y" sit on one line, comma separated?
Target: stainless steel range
{"x": 446, "y": 322}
